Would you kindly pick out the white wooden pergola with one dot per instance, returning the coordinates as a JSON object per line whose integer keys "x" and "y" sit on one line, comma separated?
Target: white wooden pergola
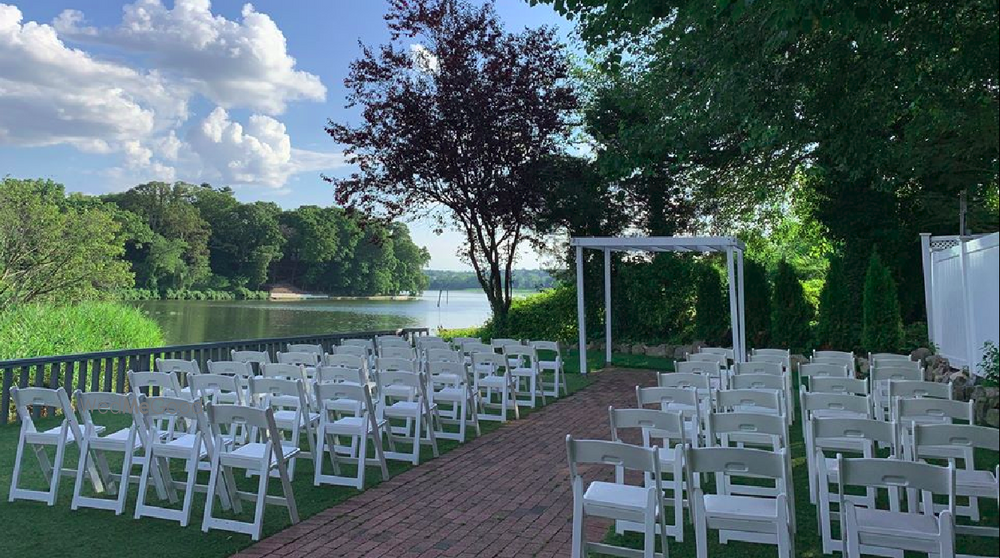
{"x": 732, "y": 246}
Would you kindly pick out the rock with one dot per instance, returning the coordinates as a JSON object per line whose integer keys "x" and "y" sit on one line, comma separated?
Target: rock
{"x": 797, "y": 360}
{"x": 993, "y": 418}
{"x": 638, "y": 349}
{"x": 623, "y": 348}
{"x": 656, "y": 351}
{"x": 920, "y": 354}
{"x": 959, "y": 378}
{"x": 864, "y": 367}
{"x": 682, "y": 351}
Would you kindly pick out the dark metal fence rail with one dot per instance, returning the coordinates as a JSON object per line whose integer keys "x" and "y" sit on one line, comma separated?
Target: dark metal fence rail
{"x": 106, "y": 370}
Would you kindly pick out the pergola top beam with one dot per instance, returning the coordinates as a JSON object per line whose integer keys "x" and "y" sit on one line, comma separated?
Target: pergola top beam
{"x": 660, "y": 243}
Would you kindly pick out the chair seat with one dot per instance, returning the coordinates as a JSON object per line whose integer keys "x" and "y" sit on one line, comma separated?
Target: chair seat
{"x": 740, "y": 507}
{"x": 255, "y": 450}
{"x": 122, "y": 436}
{"x": 288, "y": 417}
{"x": 54, "y": 433}
{"x": 667, "y": 455}
{"x": 186, "y": 441}
{"x": 618, "y": 496}
{"x": 548, "y": 364}
{"x": 450, "y": 394}
{"x": 974, "y": 481}
{"x": 524, "y": 371}
{"x": 492, "y": 381}
{"x": 896, "y": 523}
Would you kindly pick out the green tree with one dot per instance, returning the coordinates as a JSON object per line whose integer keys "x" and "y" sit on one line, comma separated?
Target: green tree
{"x": 710, "y": 312}
{"x": 838, "y": 317}
{"x": 790, "y": 311}
{"x": 169, "y": 212}
{"x": 54, "y": 250}
{"x": 455, "y": 128}
{"x": 245, "y": 243}
{"x": 881, "y": 326}
{"x": 757, "y": 304}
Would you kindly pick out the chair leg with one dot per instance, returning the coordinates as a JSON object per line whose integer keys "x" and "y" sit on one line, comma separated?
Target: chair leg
{"x": 700, "y": 532}
{"x": 362, "y": 457}
{"x": 286, "y": 487}
{"x": 17, "y": 469}
{"x": 258, "y": 514}
{"x": 125, "y": 481}
{"x": 147, "y": 468}
{"x": 81, "y": 467}
{"x": 57, "y": 470}
{"x": 213, "y": 479}
{"x": 192, "y": 476}
{"x": 577, "y": 551}
{"x": 649, "y": 533}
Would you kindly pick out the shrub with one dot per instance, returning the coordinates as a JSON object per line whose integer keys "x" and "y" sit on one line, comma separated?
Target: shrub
{"x": 710, "y": 310}
{"x": 44, "y": 330}
{"x": 790, "y": 311}
{"x": 989, "y": 367}
{"x": 881, "y": 326}
{"x": 550, "y": 315}
{"x": 838, "y": 323}
{"x": 757, "y": 304}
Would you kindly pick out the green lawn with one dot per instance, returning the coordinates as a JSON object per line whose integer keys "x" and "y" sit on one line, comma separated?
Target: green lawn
{"x": 808, "y": 542}
{"x": 32, "y": 528}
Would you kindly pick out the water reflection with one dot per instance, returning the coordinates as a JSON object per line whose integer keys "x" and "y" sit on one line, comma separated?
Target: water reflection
{"x": 195, "y": 321}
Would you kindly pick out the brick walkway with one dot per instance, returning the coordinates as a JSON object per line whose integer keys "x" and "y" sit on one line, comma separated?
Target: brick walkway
{"x": 505, "y": 494}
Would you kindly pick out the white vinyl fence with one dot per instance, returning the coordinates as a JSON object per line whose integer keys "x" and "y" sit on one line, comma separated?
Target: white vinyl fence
{"x": 962, "y": 293}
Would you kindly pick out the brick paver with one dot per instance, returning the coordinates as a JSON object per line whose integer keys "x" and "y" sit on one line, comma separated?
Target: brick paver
{"x": 505, "y": 494}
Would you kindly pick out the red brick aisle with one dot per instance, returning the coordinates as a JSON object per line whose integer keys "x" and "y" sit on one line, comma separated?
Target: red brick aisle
{"x": 506, "y": 494}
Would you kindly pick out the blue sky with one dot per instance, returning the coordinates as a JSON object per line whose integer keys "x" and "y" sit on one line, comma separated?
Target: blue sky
{"x": 103, "y": 95}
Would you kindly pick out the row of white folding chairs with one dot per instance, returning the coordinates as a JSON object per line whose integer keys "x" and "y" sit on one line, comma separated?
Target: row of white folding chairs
{"x": 946, "y": 442}
{"x": 739, "y": 511}
{"x": 204, "y": 442}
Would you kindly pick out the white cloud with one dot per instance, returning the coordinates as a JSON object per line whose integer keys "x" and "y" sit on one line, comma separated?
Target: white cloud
{"x": 52, "y": 94}
{"x": 234, "y": 63}
{"x": 424, "y": 59}
{"x": 135, "y": 105}
{"x": 260, "y": 153}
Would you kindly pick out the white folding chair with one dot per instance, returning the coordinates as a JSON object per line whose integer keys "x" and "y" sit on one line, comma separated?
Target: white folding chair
{"x": 678, "y": 400}
{"x": 668, "y": 427}
{"x": 257, "y": 359}
{"x": 764, "y": 402}
{"x": 879, "y": 379}
{"x": 767, "y": 432}
{"x": 305, "y": 348}
{"x": 450, "y": 384}
{"x": 348, "y": 368}
{"x": 822, "y": 370}
{"x": 527, "y": 376}
{"x": 827, "y": 405}
{"x": 702, "y": 383}
{"x": 637, "y": 504}
{"x": 746, "y": 518}
{"x": 242, "y": 371}
{"x": 303, "y": 358}
{"x": 851, "y": 386}
{"x": 912, "y": 389}
{"x": 916, "y": 530}
{"x": 221, "y": 389}
{"x": 772, "y": 366}
{"x": 347, "y": 411}
{"x": 859, "y": 436}
{"x": 708, "y": 368}
{"x": 268, "y": 457}
{"x": 193, "y": 448}
{"x": 162, "y": 384}
{"x": 68, "y": 432}
{"x": 492, "y": 376}
{"x": 393, "y": 351}
{"x": 845, "y": 358}
{"x": 762, "y": 382}
{"x": 390, "y": 342}
{"x": 287, "y": 398}
{"x": 705, "y": 356}
{"x": 93, "y": 446}
{"x": 360, "y": 351}
{"x": 728, "y": 353}
{"x": 475, "y": 346}
{"x": 550, "y": 359}
{"x": 404, "y": 398}
{"x": 181, "y": 368}
{"x": 928, "y": 440}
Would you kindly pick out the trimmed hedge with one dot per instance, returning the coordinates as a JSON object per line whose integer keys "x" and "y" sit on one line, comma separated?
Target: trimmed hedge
{"x": 881, "y": 325}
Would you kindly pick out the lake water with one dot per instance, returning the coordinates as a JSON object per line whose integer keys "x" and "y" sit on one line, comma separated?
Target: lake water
{"x": 196, "y": 321}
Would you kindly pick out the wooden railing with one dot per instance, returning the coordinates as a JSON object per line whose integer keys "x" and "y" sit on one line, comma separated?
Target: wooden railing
{"x": 106, "y": 370}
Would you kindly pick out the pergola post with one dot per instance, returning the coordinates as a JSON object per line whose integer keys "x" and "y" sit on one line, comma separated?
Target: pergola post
{"x": 734, "y": 320}
{"x": 607, "y": 306}
{"x": 742, "y": 355}
{"x": 926, "y": 263}
{"x": 581, "y": 318}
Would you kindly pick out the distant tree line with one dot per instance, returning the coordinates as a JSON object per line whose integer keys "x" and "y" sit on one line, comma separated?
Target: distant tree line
{"x": 172, "y": 240}
{"x": 522, "y": 279}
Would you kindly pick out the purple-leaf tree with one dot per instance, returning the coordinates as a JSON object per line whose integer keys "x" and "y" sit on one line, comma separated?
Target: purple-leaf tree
{"x": 455, "y": 113}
